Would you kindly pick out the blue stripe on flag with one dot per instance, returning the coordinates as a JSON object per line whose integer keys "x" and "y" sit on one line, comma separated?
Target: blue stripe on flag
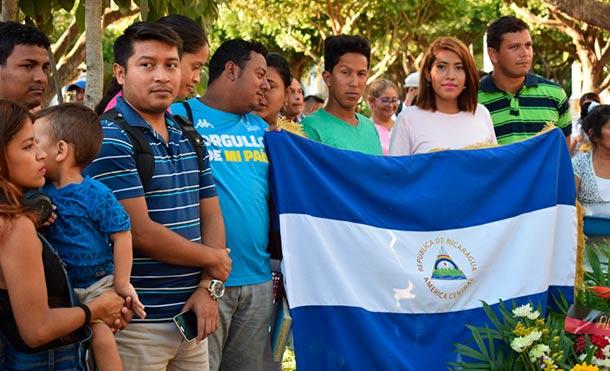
{"x": 349, "y": 338}
{"x": 427, "y": 192}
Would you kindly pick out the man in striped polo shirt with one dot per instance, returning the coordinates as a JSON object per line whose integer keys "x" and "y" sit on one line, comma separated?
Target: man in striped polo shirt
{"x": 177, "y": 227}
{"x": 521, "y": 103}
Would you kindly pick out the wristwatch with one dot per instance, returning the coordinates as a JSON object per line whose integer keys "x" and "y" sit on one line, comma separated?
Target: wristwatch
{"x": 216, "y": 289}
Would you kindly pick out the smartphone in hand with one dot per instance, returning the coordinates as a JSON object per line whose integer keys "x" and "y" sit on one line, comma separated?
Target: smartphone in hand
{"x": 187, "y": 324}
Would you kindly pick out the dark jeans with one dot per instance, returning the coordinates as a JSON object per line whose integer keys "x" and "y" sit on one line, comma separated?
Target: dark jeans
{"x": 67, "y": 357}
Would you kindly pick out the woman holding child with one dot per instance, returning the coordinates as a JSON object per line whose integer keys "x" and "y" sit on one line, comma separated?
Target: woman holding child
{"x": 41, "y": 327}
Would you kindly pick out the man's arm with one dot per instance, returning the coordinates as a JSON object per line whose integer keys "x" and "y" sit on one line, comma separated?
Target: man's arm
{"x": 153, "y": 239}
{"x": 212, "y": 223}
{"x": 212, "y": 234}
{"x": 115, "y": 167}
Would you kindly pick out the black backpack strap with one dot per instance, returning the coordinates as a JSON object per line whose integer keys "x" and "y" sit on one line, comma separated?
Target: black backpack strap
{"x": 145, "y": 160}
{"x": 189, "y": 112}
{"x": 192, "y": 135}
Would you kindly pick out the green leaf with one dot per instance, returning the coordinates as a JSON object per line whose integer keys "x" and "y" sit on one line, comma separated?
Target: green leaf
{"x": 598, "y": 276}
{"x": 79, "y": 15}
{"x": 28, "y": 7}
{"x": 67, "y": 4}
{"x": 506, "y": 315}
{"x": 491, "y": 344}
{"x": 144, "y": 9}
{"x": 478, "y": 340}
{"x": 124, "y": 5}
{"x": 467, "y": 351}
{"x": 491, "y": 315}
{"x": 44, "y": 8}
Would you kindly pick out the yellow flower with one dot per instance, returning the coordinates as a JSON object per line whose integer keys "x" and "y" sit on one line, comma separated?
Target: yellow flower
{"x": 585, "y": 367}
{"x": 521, "y": 330}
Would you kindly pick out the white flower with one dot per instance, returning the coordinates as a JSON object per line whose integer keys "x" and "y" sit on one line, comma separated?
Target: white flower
{"x": 523, "y": 311}
{"x": 533, "y": 315}
{"x": 601, "y": 362}
{"x": 538, "y": 351}
{"x": 534, "y": 335}
{"x": 522, "y": 342}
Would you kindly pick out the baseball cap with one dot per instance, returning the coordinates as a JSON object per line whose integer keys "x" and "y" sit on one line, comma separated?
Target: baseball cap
{"x": 412, "y": 81}
{"x": 82, "y": 84}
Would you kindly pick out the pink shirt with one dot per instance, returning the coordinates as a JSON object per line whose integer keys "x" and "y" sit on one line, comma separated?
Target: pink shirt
{"x": 112, "y": 102}
{"x": 384, "y": 138}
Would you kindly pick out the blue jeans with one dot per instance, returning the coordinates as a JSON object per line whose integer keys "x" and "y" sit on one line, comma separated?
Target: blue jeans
{"x": 67, "y": 357}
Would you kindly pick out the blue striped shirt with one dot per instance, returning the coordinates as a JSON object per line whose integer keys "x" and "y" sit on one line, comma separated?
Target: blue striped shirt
{"x": 173, "y": 200}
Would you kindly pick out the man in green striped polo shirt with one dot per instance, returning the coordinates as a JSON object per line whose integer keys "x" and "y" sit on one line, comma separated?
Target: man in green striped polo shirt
{"x": 521, "y": 103}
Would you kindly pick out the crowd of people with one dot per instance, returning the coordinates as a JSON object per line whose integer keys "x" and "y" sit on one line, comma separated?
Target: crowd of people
{"x": 161, "y": 200}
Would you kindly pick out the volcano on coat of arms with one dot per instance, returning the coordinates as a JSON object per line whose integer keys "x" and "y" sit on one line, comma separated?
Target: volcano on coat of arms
{"x": 445, "y": 268}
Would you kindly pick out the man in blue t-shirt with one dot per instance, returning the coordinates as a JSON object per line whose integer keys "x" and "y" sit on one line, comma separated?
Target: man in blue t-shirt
{"x": 234, "y": 137}
{"x": 180, "y": 257}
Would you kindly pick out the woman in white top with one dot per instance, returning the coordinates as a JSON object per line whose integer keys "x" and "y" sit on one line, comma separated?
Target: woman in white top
{"x": 382, "y": 97}
{"x": 592, "y": 169}
{"x": 446, "y": 114}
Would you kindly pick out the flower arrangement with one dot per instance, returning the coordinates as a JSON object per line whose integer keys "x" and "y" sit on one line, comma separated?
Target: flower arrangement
{"x": 573, "y": 337}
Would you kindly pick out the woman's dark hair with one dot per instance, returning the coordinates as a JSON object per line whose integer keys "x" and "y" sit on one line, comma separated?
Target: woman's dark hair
{"x": 282, "y": 67}
{"x": 594, "y": 122}
{"x": 192, "y": 35}
{"x": 13, "y": 117}
{"x": 336, "y": 46}
{"x": 110, "y": 93}
{"x": 589, "y": 97}
{"x": 586, "y": 108}
{"x": 585, "y": 103}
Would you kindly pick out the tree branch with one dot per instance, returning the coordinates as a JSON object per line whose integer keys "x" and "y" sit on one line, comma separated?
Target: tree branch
{"x": 67, "y": 66}
{"x": 595, "y": 13}
{"x": 9, "y": 10}
{"x": 533, "y": 18}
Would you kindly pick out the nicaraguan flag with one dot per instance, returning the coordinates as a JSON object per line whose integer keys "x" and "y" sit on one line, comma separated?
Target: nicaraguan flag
{"x": 387, "y": 258}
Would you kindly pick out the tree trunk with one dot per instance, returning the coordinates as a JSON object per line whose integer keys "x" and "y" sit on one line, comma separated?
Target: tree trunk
{"x": 9, "y": 10}
{"x": 67, "y": 63}
{"x": 93, "y": 47}
{"x": 593, "y": 12}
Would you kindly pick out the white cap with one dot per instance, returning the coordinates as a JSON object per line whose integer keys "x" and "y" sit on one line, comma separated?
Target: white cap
{"x": 412, "y": 81}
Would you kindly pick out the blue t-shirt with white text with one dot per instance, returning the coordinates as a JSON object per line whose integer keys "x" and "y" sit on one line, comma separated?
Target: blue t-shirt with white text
{"x": 240, "y": 168}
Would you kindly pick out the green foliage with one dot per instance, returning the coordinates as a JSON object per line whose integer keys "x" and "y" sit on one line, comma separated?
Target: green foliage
{"x": 399, "y": 30}
{"x": 202, "y": 11}
{"x": 67, "y": 4}
{"x": 597, "y": 274}
{"x": 490, "y": 348}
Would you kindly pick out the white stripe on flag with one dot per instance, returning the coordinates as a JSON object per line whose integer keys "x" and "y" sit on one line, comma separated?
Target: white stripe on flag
{"x": 331, "y": 262}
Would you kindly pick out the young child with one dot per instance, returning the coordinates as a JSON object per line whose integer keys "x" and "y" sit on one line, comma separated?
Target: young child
{"x": 88, "y": 217}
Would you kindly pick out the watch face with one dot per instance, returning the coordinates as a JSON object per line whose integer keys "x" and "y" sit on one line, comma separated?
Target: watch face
{"x": 217, "y": 289}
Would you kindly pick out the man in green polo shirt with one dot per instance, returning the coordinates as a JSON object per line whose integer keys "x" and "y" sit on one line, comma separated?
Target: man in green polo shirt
{"x": 346, "y": 65}
{"x": 521, "y": 103}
